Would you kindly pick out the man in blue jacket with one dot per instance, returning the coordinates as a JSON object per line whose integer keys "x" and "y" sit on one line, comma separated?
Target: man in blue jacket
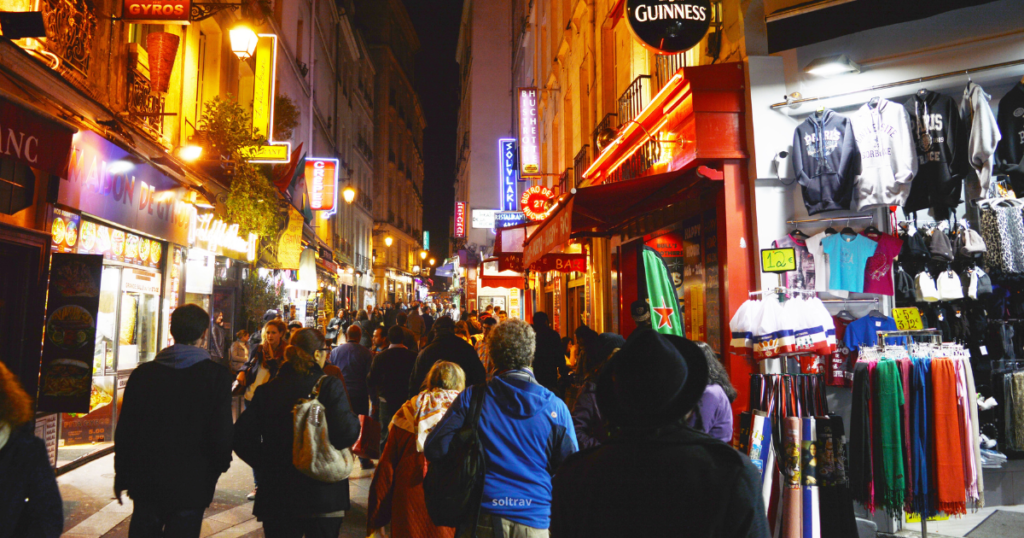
{"x": 527, "y": 432}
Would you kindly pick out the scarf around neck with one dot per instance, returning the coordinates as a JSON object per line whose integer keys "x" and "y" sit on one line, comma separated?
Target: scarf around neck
{"x": 419, "y": 415}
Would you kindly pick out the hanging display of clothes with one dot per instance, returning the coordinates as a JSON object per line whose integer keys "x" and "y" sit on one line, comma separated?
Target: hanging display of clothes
{"x": 825, "y": 160}
{"x": 1010, "y": 152}
{"x": 941, "y": 141}
{"x": 888, "y": 159}
{"x": 768, "y": 328}
{"x": 1002, "y": 228}
{"x": 803, "y": 278}
{"x": 982, "y": 141}
{"x": 822, "y": 269}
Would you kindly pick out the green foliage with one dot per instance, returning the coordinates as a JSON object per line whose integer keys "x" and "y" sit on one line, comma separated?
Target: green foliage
{"x": 226, "y": 125}
{"x": 286, "y": 117}
{"x": 258, "y": 296}
{"x": 252, "y": 202}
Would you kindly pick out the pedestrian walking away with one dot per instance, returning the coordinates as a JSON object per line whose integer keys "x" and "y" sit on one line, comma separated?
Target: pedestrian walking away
{"x": 174, "y": 433}
{"x": 354, "y": 361}
{"x": 449, "y": 347}
{"x": 389, "y": 379}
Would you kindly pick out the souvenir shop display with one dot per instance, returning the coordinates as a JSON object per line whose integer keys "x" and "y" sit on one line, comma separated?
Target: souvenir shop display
{"x": 826, "y": 160}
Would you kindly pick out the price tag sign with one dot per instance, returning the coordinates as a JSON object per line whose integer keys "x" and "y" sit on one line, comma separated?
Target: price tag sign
{"x": 778, "y": 260}
{"x": 907, "y": 319}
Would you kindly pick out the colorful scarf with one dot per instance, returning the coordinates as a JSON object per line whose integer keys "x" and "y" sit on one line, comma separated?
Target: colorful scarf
{"x": 888, "y": 400}
{"x": 948, "y": 457}
{"x": 908, "y": 472}
{"x": 419, "y": 415}
{"x": 920, "y": 500}
{"x": 1018, "y": 410}
{"x": 966, "y": 432}
{"x": 860, "y": 437}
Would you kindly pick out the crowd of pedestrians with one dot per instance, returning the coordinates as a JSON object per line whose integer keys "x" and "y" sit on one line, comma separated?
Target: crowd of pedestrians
{"x": 599, "y": 435}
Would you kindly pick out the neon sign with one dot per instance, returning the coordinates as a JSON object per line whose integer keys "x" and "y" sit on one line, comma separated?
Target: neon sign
{"x": 264, "y": 86}
{"x": 529, "y": 148}
{"x": 322, "y": 183}
{"x": 219, "y": 234}
{"x": 507, "y": 173}
{"x": 537, "y": 202}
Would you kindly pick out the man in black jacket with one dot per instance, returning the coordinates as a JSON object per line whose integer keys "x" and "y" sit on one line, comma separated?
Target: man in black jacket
{"x": 389, "y": 379}
{"x": 173, "y": 437}
{"x": 446, "y": 347}
{"x": 549, "y": 359}
{"x": 410, "y": 339}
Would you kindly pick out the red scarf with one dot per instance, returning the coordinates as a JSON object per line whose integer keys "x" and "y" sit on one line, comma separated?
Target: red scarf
{"x": 948, "y": 460}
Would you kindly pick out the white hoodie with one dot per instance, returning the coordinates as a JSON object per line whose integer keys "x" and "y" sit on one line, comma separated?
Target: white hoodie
{"x": 888, "y": 163}
{"x": 984, "y": 137}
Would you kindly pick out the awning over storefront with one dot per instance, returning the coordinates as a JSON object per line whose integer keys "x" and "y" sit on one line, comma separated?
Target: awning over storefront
{"x": 495, "y": 281}
{"x": 32, "y": 139}
{"x": 604, "y": 209}
{"x": 445, "y": 270}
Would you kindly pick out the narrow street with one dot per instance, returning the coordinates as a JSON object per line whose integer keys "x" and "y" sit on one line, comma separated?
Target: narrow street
{"x": 90, "y": 510}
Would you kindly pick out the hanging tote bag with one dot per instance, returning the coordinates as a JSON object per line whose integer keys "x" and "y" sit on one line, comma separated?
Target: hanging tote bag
{"x": 312, "y": 452}
{"x": 454, "y": 484}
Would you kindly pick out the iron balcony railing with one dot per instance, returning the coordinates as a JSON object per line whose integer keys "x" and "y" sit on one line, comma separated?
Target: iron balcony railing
{"x": 610, "y": 122}
{"x": 638, "y": 163}
{"x": 580, "y": 163}
{"x": 563, "y": 181}
{"x": 634, "y": 99}
{"x": 145, "y": 109}
{"x": 668, "y": 66}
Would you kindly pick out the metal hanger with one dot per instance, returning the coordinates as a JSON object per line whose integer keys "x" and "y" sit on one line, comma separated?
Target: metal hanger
{"x": 797, "y": 232}
{"x": 846, "y": 314}
{"x": 847, "y": 230}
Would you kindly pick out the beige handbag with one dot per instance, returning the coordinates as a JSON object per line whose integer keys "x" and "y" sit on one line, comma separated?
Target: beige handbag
{"x": 312, "y": 452}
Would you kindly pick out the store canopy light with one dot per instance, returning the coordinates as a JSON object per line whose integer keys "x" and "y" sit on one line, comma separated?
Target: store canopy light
{"x": 832, "y": 66}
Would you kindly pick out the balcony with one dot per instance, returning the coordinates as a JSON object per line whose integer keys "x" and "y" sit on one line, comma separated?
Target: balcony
{"x": 638, "y": 163}
{"x": 564, "y": 181}
{"x": 668, "y": 66}
{"x": 70, "y": 29}
{"x": 634, "y": 99}
{"x": 580, "y": 163}
{"x": 364, "y": 148}
{"x": 145, "y": 109}
{"x": 610, "y": 122}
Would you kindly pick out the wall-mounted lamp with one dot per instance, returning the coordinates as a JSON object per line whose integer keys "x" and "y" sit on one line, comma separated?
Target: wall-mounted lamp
{"x": 349, "y": 194}
{"x": 243, "y": 41}
{"x": 423, "y": 254}
{"x": 190, "y": 152}
{"x": 388, "y": 240}
{"x": 831, "y": 66}
{"x": 432, "y": 262}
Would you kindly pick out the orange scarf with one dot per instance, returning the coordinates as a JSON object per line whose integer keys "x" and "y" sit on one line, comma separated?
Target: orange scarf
{"x": 947, "y": 459}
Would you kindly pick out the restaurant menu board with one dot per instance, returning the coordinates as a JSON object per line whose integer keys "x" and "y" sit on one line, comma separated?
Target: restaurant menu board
{"x": 118, "y": 245}
{"x": 712, "y": 298}
{"x": 66, "y": 364}
{"x": 46, "y": 429}
{"x": 64, "y": 231}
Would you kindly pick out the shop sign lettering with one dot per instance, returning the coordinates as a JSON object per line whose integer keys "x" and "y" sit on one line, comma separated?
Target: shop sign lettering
{"x": 529, "y": 148}
{"x": 157, "y": 11}
{"x": 556, "y": 232}
{"x": 507, "y": 173}
{"x": 216, "y": 233}
{"x": 321, "y": 183}
{"x": 460, "y": 219}
{"x": 33, "y": 140}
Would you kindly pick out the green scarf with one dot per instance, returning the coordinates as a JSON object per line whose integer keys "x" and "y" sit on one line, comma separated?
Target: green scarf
{"x": 888, "y": 401}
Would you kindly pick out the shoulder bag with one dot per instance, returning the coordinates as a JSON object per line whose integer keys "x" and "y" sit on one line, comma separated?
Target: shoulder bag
{"x": 454, "y": 484}
{"x": 312, "y": 452}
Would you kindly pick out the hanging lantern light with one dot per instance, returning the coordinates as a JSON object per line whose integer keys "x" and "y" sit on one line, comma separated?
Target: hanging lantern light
{"x": 243, "y": 41}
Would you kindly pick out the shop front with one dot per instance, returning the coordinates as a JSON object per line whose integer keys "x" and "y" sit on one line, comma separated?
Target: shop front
{"x": 134, "y": 221}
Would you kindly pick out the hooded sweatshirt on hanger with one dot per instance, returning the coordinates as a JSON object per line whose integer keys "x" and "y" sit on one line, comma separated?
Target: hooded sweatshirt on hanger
{"x": 1010, "y": 153}
{"x": 826, "y": 161}
{"x": 941, "y": 141}
{"x": 888, "y": 160}
{"x": 981, "y": 144}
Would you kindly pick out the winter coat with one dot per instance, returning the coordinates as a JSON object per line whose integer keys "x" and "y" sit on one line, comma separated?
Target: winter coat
{"x": 173, "y": 437}
{"x": 218, "y": 343}
{"x": 389, "y": 374}
{"x": 239, "y": 355}
{"x": 263, "y": 439}
{"x": 982, "y": 140}
{"x": 549, "y": 358}
{"x": 368, "y": 326}
{"x": 416, "y": 323}
{"x": 713, "y": 414}
{"x": 253, "y": 367}
{"x": 888, "y": 161}
{"x": 1010, "y": 152}
{"x": 586, "y": 418}
{"x": 447, "y": 347}
{"x": 30, "y": 503}
{"x": 526, "y": 432}
{"x": 826, "y": 160}
{"x": 941, "y": 141}
{"x": 681, "y": 482}
{"x": 354, "y": 361}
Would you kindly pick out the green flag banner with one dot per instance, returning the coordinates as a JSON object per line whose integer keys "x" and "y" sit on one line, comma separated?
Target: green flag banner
{"x": 661, "y": 295}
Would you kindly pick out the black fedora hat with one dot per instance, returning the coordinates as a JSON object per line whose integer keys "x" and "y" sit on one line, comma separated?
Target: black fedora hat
{"x": 653, "y": 380}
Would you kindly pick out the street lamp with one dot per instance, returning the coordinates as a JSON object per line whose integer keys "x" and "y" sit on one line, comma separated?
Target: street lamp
{"x": 388, "y": 240}
{"x": 243, "y": 41}
{"x": 349, "y": 194}
{"x": 432, "y": 262}
{"x": 423, "y": 254}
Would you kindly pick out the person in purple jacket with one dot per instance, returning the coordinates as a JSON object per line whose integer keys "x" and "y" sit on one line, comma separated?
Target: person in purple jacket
{"x": 713, "y": 414}
{"x": 586, "y": 417}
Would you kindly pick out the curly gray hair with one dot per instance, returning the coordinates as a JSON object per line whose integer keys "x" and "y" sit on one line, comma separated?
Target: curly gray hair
{"x": 511, "y": 344}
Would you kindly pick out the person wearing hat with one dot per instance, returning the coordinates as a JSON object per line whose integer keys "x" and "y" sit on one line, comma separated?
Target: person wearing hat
{"x": 446, "y": 346}
{"x": 656, "y": 476}
{"x": 526, "y": 433}
{"x": 586, "y": 417}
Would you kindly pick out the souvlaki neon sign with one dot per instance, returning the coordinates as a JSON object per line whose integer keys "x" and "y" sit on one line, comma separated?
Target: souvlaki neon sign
{"x": 219, "y": 234}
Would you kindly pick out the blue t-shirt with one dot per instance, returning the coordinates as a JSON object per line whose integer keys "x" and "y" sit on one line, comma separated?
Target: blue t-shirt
{"x": 864, "y": 332}
{"x": 847, "y": 257}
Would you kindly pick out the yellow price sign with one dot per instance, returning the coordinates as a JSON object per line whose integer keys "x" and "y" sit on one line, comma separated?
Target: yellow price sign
{"x": 778, "y": 260}
{"x": 907, "y": 319}
{"x": 916, "y": 518}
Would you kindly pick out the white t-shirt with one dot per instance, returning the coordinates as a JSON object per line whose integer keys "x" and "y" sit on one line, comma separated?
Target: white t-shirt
{"x": 821, "y": 266}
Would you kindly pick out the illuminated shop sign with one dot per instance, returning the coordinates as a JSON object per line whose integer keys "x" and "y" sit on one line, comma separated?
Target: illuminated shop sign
{"x": 426, "y": 240}
{"x": 669, "y": 27}
{"x": 529, "y": 147}
{"x": 264, "y": 81}
{"x": 157, "y": 11}
{"x": 321, "y": 183}
{"x": 460, "y": 219}
{"x": 504, "y": 219}
{"x": 507, "y": 173}
{"x": 537, "y": 202}
{"x": 217, "y": 234}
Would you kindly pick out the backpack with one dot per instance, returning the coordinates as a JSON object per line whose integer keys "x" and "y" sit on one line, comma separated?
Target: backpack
{"x": 312, "y": 452}
{"x": 454, "y": 484}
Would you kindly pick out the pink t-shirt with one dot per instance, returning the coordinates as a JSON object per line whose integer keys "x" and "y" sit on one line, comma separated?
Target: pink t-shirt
{"x": 878, "y": 271}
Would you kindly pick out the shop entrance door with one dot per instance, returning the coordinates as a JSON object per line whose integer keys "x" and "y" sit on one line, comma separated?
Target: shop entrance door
{"x": 18, "y": 274}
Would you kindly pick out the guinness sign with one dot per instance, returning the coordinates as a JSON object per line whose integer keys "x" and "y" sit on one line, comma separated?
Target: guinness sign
{"x": 669, "y": 26}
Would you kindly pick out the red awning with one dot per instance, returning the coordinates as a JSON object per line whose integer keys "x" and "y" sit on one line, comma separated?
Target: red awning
{"x": 501, "y": 281}
{"x": 603, "y": 209}
{"x": 33, "y": 139}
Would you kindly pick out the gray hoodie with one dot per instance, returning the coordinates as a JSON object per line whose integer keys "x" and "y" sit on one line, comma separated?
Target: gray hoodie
{"x": 180, "y": 356}
{"x": 984, "y": 137}
{"x": 887, "y": 155}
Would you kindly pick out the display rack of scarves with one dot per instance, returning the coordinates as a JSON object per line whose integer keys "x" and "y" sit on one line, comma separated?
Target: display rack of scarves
{"x": 914, "y": 440}
{"x": 807, "y": 495}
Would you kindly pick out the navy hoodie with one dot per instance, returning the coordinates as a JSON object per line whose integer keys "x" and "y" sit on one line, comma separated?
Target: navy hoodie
{"x": 826, "y": 161}
{"x": 941, "y": 141}
{"x": 527, "y": 432}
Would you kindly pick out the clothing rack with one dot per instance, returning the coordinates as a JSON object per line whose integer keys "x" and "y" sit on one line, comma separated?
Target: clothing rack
{"x": 836, "y": 219}
{"x": 793, "y": 102}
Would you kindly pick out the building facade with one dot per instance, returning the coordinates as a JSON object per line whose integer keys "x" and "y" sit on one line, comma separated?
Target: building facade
{"x": 397, "y": 149}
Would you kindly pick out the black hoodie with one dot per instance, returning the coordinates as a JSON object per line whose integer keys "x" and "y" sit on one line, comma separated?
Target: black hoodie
{"x": 1010, "y": 152}
{"x": 826, "y": 161}
{"x": 940, "y": 138}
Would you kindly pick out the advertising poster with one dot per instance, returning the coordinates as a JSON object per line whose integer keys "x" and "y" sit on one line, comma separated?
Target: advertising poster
{"x": 70, "y": 333}
{"x": 64, "y": 231}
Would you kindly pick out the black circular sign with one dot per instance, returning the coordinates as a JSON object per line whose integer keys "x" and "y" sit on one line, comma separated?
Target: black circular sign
{"x": 669, "y": 26}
